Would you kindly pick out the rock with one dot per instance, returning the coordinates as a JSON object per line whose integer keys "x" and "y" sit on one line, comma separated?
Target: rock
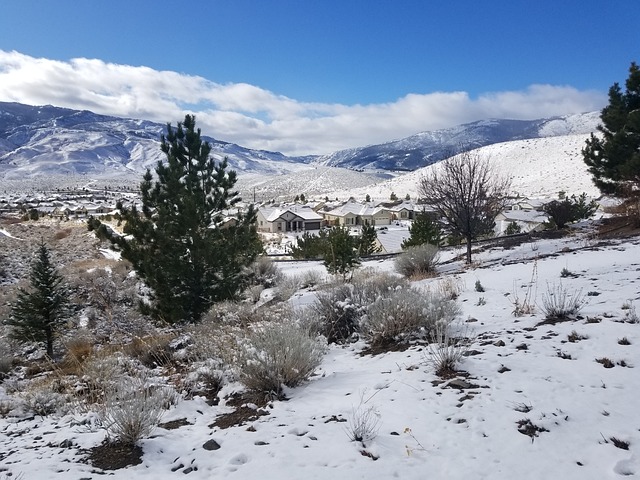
{"x": 211, "y": 445}
{"x": 460, "y": 384}
{"x": 500, "y": 343}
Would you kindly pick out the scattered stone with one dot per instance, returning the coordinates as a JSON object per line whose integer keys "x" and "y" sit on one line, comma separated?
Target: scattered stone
{"x": 260, "y": 443}
{"x": 211, "y": 445}
{"x": 460, "y": 384}
{"x": 504, "y": 369}
{"x": 500, "y": 343}
{"x": 522, "y": 346}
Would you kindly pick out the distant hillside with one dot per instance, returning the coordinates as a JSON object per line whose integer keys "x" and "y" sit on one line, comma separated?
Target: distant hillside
{"x": 47, "y": 140}
{"x": 538, "y": 167}
{"x": 427, "y": 148}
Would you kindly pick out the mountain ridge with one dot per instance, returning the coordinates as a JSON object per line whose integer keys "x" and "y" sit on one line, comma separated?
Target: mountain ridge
{"x": 49, "y": 140}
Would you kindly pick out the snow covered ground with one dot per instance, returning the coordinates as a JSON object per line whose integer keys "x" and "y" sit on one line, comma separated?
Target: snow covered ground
{"x": 522, "y": 375}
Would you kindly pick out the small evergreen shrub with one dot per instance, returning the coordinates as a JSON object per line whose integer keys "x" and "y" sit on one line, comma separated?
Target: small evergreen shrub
{"x": 279, "y": 354}
{"x": 479, "y": 287}
{"x": 419, "y": 261}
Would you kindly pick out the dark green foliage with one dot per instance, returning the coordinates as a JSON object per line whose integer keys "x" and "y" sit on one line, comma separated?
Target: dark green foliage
{"x": 614, "y": 159}
{"x": 570, "y": 209}
{"x": 367, "y": 241}
{"x": 367, "y": 198}
{"x": 341, "y": 255}
{"x": 513, "y": 229}
{"x": 40, "y": 311}
{"x": 393, "y": 197}
{"x": 180, "y": 244}
{"x": 423, "y": 229}
{"x": 309, "y": 246}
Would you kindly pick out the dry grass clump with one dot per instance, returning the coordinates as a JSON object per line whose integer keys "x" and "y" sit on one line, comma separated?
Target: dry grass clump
{"x": 450, "y": 343}
{"x": 560, "y": 304}
{"x": 152, "y": 350}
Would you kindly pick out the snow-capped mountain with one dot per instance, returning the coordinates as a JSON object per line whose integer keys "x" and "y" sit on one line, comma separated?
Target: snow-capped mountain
{"x": 47, "y": 140}
{"x": 41, "y": 142}
{"x": 426, "y": 148}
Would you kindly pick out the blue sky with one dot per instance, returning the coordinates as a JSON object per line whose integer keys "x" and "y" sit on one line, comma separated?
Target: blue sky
{"x": 316, "y": 76}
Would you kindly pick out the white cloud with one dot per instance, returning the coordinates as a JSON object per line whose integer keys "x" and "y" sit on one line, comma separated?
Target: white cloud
{"x": 257, "y": 118}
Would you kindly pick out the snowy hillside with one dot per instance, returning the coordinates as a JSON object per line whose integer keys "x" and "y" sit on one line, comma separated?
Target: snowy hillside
{"x": 45, "y": 141}
{"x": 539, "y": 167}
{"x": 533, "y": 398}
{"x": 427, "y": 148}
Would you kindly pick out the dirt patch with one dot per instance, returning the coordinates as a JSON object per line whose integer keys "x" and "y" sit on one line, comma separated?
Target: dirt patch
{"x": 240, "y": 416}
{"x": 175, "y": 424}
{"x": 113, "y": 456}
{"x": 618, "y": 227}
{"x": 385, "y": 347}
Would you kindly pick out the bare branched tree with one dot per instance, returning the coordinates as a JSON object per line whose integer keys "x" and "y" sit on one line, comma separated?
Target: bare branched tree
{"x": 467, "y": 192}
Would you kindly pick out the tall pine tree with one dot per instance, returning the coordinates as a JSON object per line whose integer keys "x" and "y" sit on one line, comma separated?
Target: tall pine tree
{"x": 614, "y": 157}
{"x": 40, "y": 311}
{"x": 181, "y": 244}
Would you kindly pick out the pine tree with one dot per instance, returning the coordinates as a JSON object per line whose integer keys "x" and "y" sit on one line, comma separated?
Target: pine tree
{"x": 367, "y": 242}
{"x": 341, "y": 256}
{"x": 614, "y": 159}
{"x": 309, "y": 246}
{"x": 423, "y": 230}
{"x": 181, "y": 244}
{"x": 40, "y": 311}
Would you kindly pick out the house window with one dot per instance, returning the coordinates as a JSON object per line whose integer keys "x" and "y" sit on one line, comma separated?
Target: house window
{"x": 403, "y": 214}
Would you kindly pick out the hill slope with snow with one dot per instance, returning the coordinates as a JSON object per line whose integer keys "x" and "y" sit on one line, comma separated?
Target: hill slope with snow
{"x": 426, "y": 148}
{"x": 538, "y": 167}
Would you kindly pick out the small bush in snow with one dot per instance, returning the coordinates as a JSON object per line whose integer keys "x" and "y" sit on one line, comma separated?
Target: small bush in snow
{"x": 289, "y": 285}
{"x": 418, "y": 262}
{"x": 279, "y": 354}
{"x": 265, "y": 272}
{"x": 43, "y": 401}
{"x": 404, "y": 312}
{"x": 559, "y": 303}
{"x": 369, "y": 286}
{"x": 6, "y": 359}
{"x": 338, "y": 313}
{"x": 364, "y": 423}
{"x": 312, "y": 278}
{"x": 133, "y": 408}
{"x": 448, "y": 348}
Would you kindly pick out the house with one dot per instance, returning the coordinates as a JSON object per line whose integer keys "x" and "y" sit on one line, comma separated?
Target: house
{"x": 390, "y": 240}
{"x": 352, "y": 213}
{"x": 295, "y": 218}
{"x": 528, "y": 220}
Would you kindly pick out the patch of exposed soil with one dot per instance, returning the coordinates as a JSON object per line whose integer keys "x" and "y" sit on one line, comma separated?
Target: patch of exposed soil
{"x": 240, "y": 416}
{"x": 113, "y": 456}
{"x": 619, "y": 227}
